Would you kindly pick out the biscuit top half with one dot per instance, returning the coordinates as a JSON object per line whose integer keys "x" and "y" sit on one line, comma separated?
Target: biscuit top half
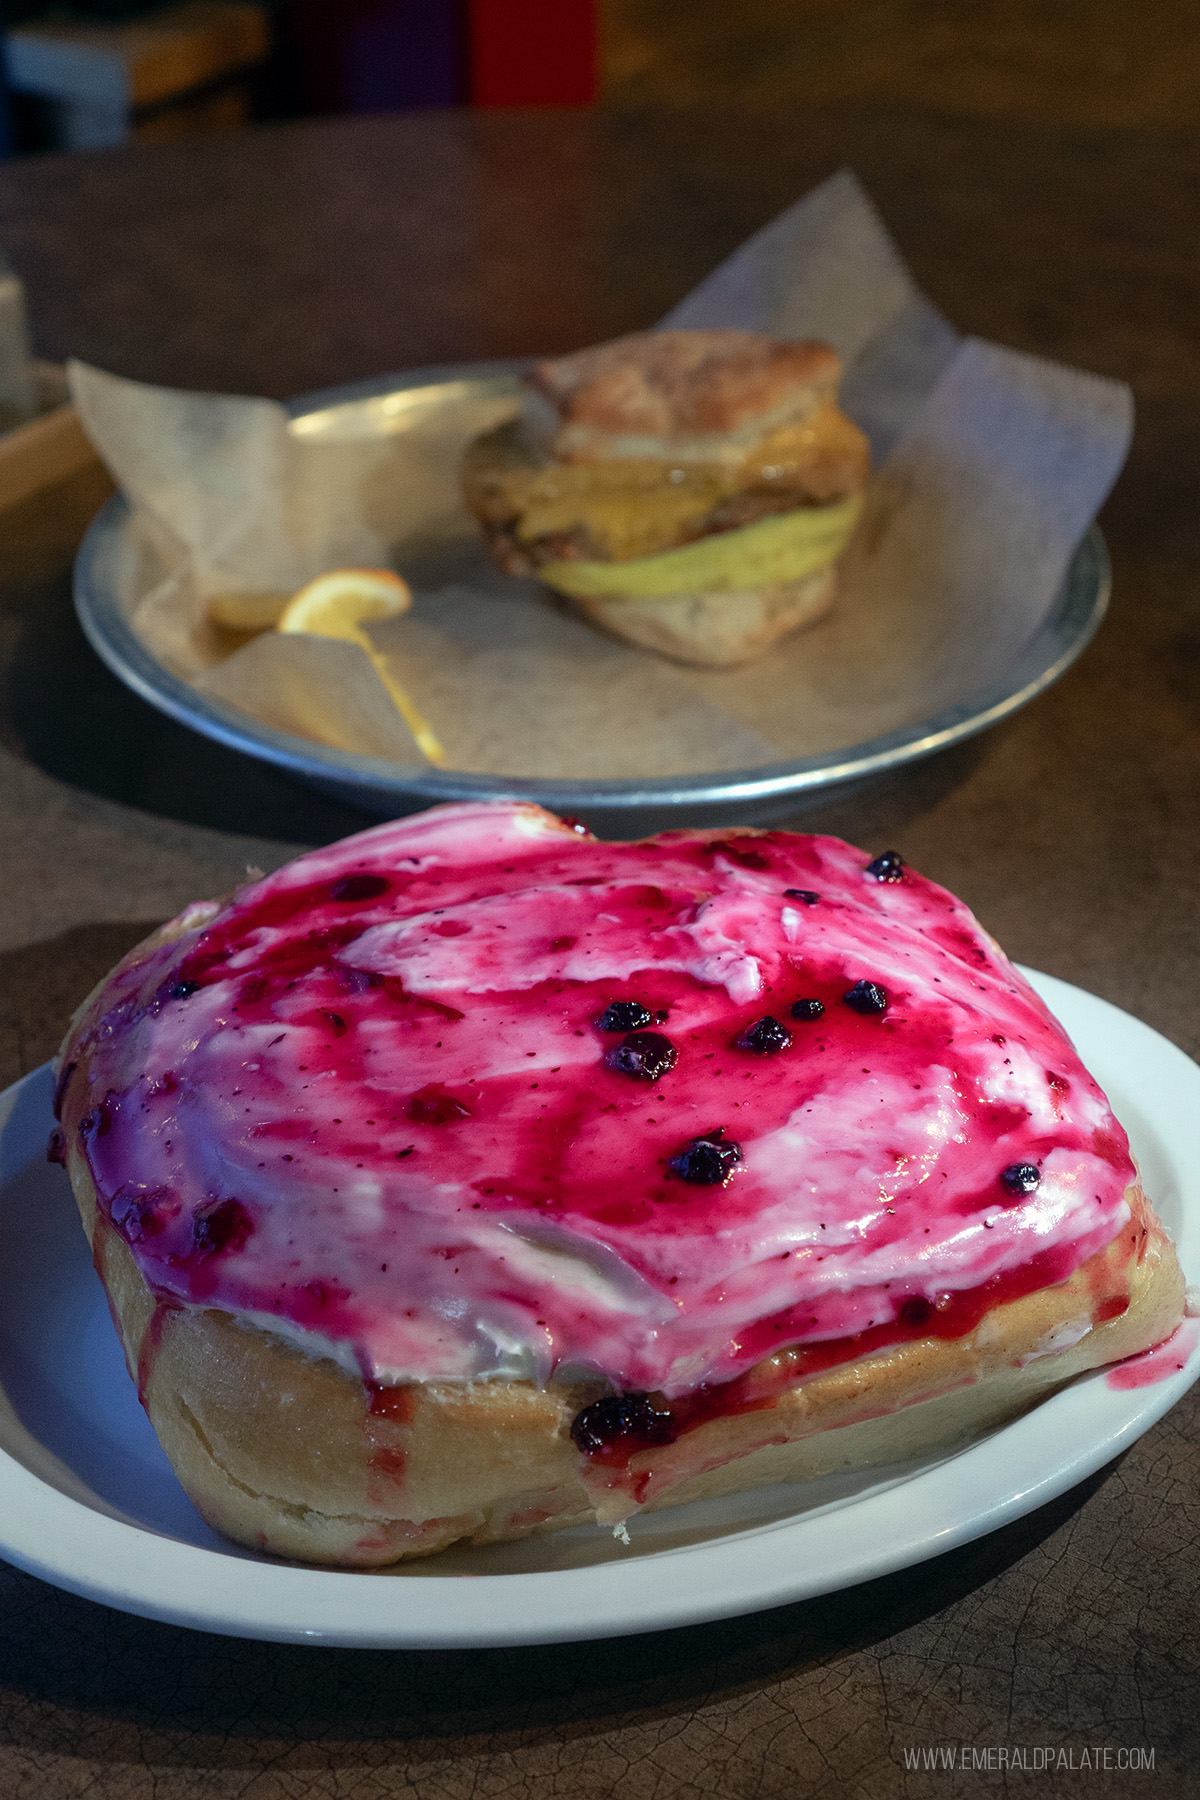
{"x": 654, "y": 390}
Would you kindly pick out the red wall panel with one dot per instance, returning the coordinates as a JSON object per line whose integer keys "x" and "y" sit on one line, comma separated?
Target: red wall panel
{"x": 531, "y": 52}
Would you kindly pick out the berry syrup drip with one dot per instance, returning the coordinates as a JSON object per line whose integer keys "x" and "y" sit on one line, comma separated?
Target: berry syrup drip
{"x": 613, "y": 1430}
{"x": 389, "y": 1411}
{"x": 389, "y": 1101}
{"x": 1159, "y": 1363}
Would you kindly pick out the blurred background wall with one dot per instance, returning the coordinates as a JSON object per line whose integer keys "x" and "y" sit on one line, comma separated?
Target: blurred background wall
{"x": 1105, "y": 62}
{"x": 90, "y": 74}
{"x": 97, "y": 70}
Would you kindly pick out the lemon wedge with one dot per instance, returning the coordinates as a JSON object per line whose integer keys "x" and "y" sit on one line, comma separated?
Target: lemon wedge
{"x": 338, "y": 605}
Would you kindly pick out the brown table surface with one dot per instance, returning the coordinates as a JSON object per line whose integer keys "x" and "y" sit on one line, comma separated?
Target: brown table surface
{"x": 282, "y": 260}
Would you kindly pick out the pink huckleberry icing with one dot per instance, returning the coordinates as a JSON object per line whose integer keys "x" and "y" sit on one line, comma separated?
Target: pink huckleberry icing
{"x": 374, "y": 1103}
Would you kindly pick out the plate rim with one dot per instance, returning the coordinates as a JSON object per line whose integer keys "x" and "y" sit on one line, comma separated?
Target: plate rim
{"x": 280, "y": 1601}
{"x": 1064, "y": 634}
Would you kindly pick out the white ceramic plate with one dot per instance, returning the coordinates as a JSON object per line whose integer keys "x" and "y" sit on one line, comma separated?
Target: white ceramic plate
{"x": 88, "y": 1501}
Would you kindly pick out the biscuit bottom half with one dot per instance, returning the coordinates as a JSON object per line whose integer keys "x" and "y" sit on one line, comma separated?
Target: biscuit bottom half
{"x": 716, "y": 630}
{"x": 293, "y": 1455}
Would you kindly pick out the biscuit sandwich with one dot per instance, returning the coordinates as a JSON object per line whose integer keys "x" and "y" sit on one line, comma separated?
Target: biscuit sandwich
{"x": 688, "y": 490}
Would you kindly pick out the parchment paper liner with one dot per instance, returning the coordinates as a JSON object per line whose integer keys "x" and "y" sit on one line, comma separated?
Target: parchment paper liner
{"x": 990, "y": 465}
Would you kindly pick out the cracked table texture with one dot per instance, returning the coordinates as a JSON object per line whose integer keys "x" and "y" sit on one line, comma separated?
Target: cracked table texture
{"x": 292, "y": 257}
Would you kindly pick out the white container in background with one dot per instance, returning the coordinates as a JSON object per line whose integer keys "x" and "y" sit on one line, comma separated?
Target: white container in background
{"x": 18, "y": 392}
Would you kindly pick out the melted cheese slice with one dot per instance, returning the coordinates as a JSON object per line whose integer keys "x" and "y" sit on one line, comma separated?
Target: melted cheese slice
{"x": 628, "y": 509}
